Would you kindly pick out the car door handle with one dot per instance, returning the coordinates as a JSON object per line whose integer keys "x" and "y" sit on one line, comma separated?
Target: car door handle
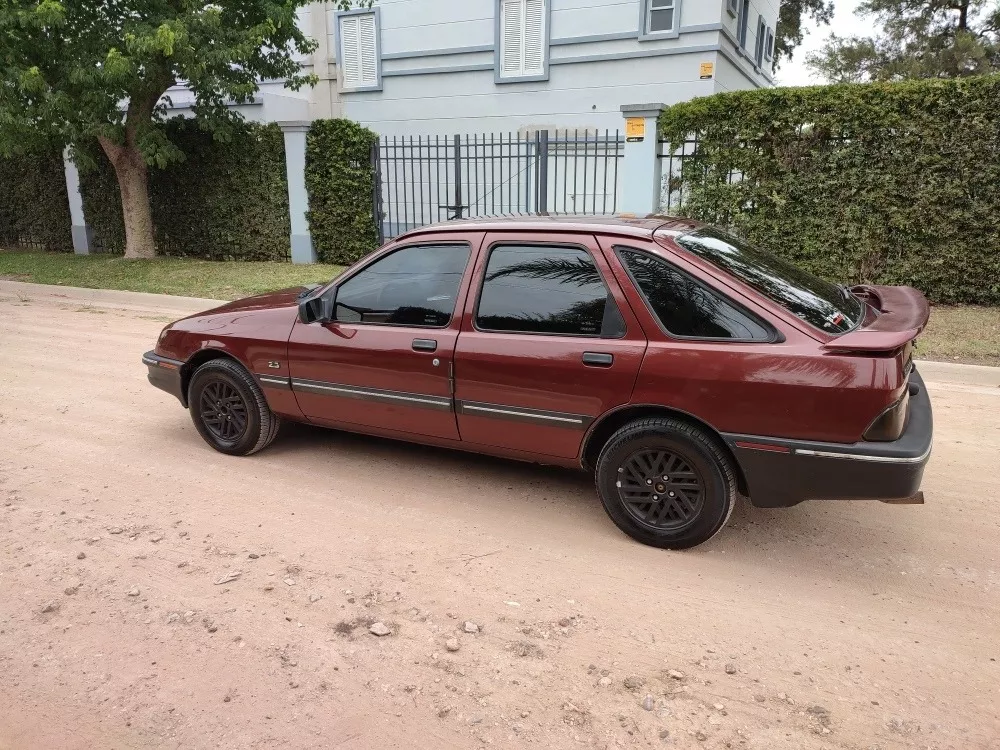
{"x": 598, "y": 359}
{"x": 425, "y": 345}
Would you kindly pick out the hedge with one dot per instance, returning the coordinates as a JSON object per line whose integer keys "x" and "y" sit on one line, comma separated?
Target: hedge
{"x": 34, "y": 208}
{"x": 880, "y": 183}
{"x": 340, "y": 182}
{"x": 225, "y": 201}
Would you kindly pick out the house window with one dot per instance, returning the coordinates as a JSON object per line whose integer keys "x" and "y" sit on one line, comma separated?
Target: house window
{"x": 661, "y": 16}
{"x": 523, "y": 38}
{"x": 761, "y": 42}
{"x": 744, "y": 19}
{"x": 359, "y": 51}
{"x": 733, "y": 6}
{"x": 769, "y": 46}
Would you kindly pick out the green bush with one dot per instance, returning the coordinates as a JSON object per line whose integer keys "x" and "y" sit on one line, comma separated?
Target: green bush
{"x": 340, "y": 182}
{"x": 880, "y": 183}
{"x": 225, "y": 201}
{"x": 34, "y": 208}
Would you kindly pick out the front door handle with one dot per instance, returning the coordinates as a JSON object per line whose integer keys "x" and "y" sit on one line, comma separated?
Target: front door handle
{"x": 425, "y": 345}
{"x": 598, "y": 359}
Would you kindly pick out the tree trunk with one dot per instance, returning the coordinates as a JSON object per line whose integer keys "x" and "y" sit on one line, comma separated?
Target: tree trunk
{"x": 133, "y": 183}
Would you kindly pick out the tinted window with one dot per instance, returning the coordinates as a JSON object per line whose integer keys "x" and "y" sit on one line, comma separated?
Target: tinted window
{"x": 546, "y": 290}
{"x": 686, "y": 307}
{"x": 818, "y": 302}
{"x": 415, "y": 286}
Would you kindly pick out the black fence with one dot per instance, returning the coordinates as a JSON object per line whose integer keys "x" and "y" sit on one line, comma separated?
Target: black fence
{"x": 422, "y": 180}
{"x": 681, "y": 167}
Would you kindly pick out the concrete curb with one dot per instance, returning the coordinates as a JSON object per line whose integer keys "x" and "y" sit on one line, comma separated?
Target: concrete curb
{"x": 932, "y": 372}
{"x": 165, "y": 303}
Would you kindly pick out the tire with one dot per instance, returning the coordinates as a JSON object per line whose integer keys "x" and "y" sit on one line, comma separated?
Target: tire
{"x": 647, "y": 460}
{"x": 240, "y": 422}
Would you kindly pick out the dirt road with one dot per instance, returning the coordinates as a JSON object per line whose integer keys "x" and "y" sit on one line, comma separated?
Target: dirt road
{"x": 154, "y": 593}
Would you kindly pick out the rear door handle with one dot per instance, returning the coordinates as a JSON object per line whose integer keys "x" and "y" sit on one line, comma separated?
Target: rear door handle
{"x": 598, "y": 359}
{"x": 425, "y": 345}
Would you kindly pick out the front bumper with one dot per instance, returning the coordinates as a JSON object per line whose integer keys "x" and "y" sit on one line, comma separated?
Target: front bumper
{"x": 780, "y": 473}
{"x": 165, "y": 374}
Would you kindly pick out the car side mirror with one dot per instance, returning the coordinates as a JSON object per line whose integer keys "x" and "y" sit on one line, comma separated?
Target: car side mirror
{"x": 318, "y": 309}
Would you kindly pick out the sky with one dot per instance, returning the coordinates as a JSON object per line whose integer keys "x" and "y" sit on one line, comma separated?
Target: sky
{"x": 845, "y": 23}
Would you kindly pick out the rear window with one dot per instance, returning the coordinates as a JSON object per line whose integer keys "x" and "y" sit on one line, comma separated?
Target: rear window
{"x": 826, "y": 306}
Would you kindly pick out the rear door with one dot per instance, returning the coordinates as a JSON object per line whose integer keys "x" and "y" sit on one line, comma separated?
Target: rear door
{"x": 548, "y": 344}
{"x": 385, "y": 362}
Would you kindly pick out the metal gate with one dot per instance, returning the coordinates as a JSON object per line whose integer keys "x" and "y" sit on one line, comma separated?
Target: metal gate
{"x": 422, "y": 180}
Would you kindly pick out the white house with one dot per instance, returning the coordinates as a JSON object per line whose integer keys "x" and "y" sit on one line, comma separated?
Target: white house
{"x": 424, "y": 67}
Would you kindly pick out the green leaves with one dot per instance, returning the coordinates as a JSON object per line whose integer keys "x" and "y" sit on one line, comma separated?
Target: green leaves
{"x": 885, "y": 183}
{"x": 210, "y": 199}
{"x": 67, "y": 67}
{"x": 341, "y": 182}
{"x": 916, "y": 39}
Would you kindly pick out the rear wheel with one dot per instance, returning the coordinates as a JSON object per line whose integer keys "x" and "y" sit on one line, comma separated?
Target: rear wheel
{"x": 666, "y": 483}
{"x": 229, "y": 409}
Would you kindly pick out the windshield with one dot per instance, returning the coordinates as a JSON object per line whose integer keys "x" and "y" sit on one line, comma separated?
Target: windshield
{"x": 827, "y": 306}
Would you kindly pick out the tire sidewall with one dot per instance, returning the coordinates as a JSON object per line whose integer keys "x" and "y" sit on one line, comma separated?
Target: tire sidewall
{"x": 215, "y": 372}
{"x": 718, "y": 492}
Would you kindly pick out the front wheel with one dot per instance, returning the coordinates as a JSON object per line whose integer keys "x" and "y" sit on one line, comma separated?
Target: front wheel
{"x": 666, "y": 483}
{"x": 229, "y": 410}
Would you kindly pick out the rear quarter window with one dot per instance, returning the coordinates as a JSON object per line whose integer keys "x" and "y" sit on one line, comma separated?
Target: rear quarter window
{"x": 687, "y": 308}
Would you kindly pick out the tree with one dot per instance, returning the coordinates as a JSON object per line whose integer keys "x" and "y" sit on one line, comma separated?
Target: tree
{"x": 789, "y": 31}
{"x": 72, "y": 71}
{"x": 916, "y": 39}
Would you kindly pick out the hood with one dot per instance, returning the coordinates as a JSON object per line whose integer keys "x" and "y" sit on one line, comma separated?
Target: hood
{"x": 903, "y": 313}
{"x": 269, "y": 301}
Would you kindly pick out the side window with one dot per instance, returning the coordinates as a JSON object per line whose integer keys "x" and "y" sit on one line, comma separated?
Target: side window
{"x": 414, "y": 286}
{"x": 548, "y": 290}
{"x": 686, "y": 307}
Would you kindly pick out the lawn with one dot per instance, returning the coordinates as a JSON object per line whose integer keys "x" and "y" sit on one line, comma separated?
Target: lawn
{"x": 956, "y": 333}
{"x": 181, "y": 276}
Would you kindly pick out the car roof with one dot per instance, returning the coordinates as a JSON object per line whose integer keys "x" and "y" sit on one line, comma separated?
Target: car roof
{"x": 621, "y": 224}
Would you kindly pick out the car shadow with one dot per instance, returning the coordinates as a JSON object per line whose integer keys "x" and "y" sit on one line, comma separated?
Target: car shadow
{"x": 763, "y": 537}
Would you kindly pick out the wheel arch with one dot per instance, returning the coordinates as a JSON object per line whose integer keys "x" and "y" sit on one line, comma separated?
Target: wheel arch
{"x": 607, "y": 425}
{"x": 195, "y": 361}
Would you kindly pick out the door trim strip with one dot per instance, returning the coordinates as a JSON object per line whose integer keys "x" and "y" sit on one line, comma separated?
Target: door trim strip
{"x": 519, "y": 414}
{"x": 271, "y": 381}
{"x": 321, "y": 388}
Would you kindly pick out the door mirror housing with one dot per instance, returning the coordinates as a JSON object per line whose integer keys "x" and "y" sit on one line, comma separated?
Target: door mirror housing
{"x": 318, "y": 308}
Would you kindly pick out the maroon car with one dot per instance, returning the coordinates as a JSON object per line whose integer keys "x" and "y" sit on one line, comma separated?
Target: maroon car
{"x": 679, "y": 364}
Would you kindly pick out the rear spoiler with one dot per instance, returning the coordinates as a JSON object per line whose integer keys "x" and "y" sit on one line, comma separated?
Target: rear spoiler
{"x": 903, "y": 315}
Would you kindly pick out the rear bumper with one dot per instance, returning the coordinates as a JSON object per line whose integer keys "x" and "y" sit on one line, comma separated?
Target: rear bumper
{"x": 781, "y": 473}
{"x": 165, "y": 374}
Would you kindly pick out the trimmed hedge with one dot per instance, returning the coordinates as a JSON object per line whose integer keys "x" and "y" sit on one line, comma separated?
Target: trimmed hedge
{"x": 340, "y": 181}
{"x": 225, "y": 201}
{"x": 881, "y": 183}
{"x": 34, "y": 207}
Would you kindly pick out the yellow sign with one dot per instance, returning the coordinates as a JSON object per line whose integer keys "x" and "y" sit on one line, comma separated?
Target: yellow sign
{"x": 707, "y": 70}
{"x": 635, "y": 129}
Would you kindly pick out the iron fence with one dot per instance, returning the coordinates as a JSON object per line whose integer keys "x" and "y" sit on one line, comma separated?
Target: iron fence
{"x": 421, "y": 180}
{"x": 681, "y": 168}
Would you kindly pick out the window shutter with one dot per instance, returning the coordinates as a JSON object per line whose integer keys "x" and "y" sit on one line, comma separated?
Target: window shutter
{"x": 349, "y": 58}
{"x": 368, "y": 52}
{"x": 510, "y": 38}
{"x": 534, "y": 37}
{"x": 359, "y": 51}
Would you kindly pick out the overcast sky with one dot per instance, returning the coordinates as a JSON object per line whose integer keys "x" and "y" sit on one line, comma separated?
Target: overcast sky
{"x": 845, "y": 23}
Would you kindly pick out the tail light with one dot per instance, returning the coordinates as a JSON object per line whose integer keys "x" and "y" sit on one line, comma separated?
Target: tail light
{"x": 889, "y": 425}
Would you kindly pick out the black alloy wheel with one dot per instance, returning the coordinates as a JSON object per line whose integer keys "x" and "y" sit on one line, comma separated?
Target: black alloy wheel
{"x": 229, "y": 409}
{"x": 666, "y": 482}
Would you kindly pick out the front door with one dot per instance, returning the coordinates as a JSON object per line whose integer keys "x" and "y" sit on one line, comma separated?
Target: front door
{"x": 548, "y": 345}
{"x": 385, "y": 361}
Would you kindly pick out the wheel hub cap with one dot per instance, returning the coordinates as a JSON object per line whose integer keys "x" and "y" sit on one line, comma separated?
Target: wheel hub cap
{"x": 223, "y": 411}
{"x": 660, "y": 488}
